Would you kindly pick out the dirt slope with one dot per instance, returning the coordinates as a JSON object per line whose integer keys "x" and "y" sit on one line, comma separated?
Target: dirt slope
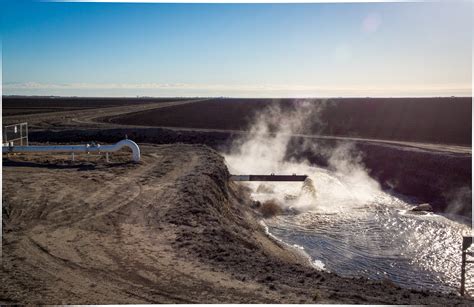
{"x": 168, "y": 230}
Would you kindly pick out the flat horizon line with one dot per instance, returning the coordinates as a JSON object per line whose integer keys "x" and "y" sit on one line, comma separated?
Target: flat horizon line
{"x": 229, "y": 97}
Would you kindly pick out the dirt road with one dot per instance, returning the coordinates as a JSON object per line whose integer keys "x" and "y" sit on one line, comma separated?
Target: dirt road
{"x": 170, "y": 229}
{"x": 86, "y": 116}
{"x": 104, "y": 117}
{"x": 81, "y": 234}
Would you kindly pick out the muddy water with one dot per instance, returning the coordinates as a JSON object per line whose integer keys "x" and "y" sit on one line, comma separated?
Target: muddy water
{"x": 352, "y": 228}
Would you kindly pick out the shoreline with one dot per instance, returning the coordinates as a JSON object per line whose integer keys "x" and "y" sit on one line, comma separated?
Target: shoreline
{"x": 295, "y": 248}
{"x": 185, "y": 235}
{"x": 179, "y": 261}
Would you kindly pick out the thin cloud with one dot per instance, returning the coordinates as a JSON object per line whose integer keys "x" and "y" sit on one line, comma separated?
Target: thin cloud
{"x": 243, "y": 90}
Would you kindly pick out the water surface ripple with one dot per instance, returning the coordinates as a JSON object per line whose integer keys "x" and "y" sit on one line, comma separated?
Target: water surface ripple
{"x": 378, "y": 237}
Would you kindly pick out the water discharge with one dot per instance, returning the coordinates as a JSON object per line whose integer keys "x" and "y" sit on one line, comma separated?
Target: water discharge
{"x": 342, "y": 218}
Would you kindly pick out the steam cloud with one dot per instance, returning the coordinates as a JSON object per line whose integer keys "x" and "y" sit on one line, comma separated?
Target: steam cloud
{"x": 342, "y": 187}
{"x": 264, "y": 151}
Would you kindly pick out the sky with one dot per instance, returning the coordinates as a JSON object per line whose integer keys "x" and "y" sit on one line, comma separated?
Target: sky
{"x": 236, "y": 50}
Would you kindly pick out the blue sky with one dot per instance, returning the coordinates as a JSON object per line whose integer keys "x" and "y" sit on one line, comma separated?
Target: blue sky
{"x": 241, "y": 50}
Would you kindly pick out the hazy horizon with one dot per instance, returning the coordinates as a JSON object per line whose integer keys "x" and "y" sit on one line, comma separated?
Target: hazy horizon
{"x": 237, "y": 50}
{"x": 234, "y": 97}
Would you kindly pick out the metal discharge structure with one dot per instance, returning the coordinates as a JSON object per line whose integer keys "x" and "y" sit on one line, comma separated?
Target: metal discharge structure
{"x": 271, "y": 177}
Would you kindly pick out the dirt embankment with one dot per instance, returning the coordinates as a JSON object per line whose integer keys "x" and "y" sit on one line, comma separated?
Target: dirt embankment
{"x": 171, "y": 229}
{"x": 435, "y": 173}
{"x": 440, "y": 177}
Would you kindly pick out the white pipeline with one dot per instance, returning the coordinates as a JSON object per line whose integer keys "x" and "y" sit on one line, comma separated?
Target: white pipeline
{"x": 79, "y": 148}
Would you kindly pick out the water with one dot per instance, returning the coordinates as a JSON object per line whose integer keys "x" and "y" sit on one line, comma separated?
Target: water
{"x": 347, "y": 225}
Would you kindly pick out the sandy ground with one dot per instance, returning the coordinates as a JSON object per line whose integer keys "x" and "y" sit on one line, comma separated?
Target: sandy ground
{"x": 171, "y": 229}
{"x": 86, "y": 233}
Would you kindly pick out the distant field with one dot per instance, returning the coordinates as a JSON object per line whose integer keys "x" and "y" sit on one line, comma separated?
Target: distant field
{"x": 33, "y": 105}
{"x": 432, "y": 120}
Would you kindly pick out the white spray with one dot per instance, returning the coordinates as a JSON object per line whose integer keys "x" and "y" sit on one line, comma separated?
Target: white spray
{"x": 421, "y": 251}
{"x": 263, "y": 151}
